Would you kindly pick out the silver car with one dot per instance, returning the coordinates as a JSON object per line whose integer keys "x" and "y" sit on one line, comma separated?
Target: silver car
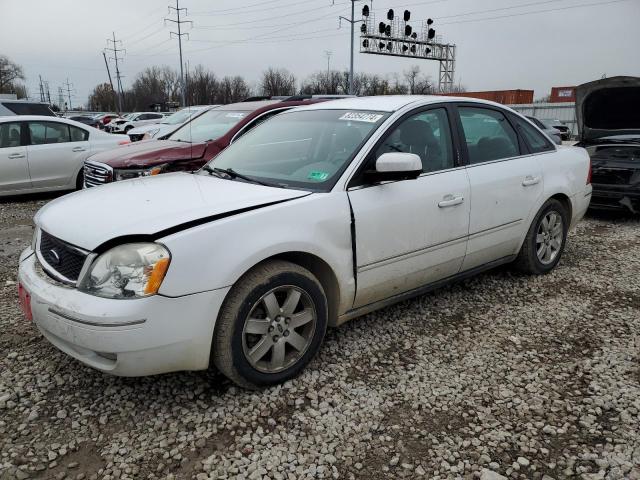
{"x": 552, "y": 133}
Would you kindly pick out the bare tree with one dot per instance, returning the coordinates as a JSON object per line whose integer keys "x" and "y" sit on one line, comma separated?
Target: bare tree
{"x": 322, "y": 83}
{"x": 10, "y": 73}
{"x": 202, "y": 87}
{"x": 102, "y": 98}
{"x": 418, "y": 84}
{"x": 278, "y": 82}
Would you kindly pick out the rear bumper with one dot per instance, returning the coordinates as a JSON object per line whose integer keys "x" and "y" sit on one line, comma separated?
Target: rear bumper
{"x": 616, "y": 197}
{"x": 123, "y": 337}
{"x": 580, "y": 205}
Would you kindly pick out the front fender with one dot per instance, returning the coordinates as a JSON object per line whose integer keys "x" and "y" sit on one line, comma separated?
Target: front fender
{"x": 216, "y": 254}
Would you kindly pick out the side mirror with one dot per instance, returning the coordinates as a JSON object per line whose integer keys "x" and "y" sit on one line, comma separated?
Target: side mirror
{"x": 395, "y": 166}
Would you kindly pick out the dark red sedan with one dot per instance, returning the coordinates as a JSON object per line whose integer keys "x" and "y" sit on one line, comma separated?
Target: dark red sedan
{"x": 189, "y": 147}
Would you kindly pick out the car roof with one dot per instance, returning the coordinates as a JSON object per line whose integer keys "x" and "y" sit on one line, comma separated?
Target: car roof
{"x": 248, "y": 106}
{"x": 44, "y": 118}
{"x": 390, "y": 103}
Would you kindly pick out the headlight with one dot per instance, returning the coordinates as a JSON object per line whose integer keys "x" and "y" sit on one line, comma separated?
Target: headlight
{"x": 134, "y": 270}
{"x": 153, "y": 133}
{"x": 135, "y": 173}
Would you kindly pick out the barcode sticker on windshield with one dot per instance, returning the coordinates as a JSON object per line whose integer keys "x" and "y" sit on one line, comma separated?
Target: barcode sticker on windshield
{"x": 361, "y": 117}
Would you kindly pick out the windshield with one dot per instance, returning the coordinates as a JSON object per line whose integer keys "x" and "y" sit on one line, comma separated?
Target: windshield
{"x": 303, "y": 149}
{"x": 208, "y": 126}
{"x": 178, "y": 117}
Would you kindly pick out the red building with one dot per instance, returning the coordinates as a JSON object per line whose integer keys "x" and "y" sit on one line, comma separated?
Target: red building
{"x": 563, "y": 94}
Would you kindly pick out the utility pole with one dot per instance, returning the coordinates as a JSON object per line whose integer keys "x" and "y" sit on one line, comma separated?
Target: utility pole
{"x": 328, "y": 54}
{"x": 179, "y": 22}
{"x": 106, "y": 63}
{"x": 47, "y": 92}
{"x": 60, "y": 98}
{"x": 115, "y": 51}
{"x": 353, "y": 22}
{"x": 68, "y": 85}
{"x": 41, "y": 89}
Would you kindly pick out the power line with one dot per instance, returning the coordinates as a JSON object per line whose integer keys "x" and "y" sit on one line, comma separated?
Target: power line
{"x": 595, "y": 4}
{"x": 179, "y": 35}
{"x": 243, "y": 10}
{"x": 217, "y": 12}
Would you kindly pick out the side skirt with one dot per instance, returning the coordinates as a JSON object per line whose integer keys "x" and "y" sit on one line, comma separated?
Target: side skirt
{"x": 357, "y": 312}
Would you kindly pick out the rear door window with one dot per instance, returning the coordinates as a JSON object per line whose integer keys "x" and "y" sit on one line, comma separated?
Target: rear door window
{"x": 78, "y": 134}
{"x": 42, "y": 133}
{"x": 488, "y": 134}
{"x": 9, "y": 134}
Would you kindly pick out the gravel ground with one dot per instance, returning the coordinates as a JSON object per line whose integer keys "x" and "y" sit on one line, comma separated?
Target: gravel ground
{"x": 500, "y": 376}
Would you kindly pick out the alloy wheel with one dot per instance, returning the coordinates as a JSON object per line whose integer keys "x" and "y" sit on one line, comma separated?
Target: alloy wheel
{"x": 279, "y": 329}
{"x": 549, "y": 237}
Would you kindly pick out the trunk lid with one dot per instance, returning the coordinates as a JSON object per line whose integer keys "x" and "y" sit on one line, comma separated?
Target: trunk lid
{"x": 608, "y": 107}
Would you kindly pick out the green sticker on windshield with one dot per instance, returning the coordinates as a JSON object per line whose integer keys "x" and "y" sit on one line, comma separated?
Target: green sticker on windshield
{"x": 318, "y": 176}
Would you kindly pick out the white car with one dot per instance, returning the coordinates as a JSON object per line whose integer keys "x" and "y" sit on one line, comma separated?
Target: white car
{"x": 40, "y": 153}
{"x": 319, "y": 215}
{"x": 167, "y": 124}
{"x": 133, "y": 120}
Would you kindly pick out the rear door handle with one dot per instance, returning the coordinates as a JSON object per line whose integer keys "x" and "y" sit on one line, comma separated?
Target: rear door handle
{"x": 530, "y": 180}
{"x": 450, "y": 201}
{"x": 17, "y": 155}
{"x": 78, "y": 149}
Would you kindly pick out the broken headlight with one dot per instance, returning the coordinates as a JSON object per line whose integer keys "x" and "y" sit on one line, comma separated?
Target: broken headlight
{"x": 134, "y": 270}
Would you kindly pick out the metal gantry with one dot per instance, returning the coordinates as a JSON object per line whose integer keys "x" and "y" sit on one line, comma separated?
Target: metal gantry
{"x": 396, "y": 37}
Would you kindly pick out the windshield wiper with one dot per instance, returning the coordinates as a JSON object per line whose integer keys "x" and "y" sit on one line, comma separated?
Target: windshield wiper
{"x": 232, "y": 174}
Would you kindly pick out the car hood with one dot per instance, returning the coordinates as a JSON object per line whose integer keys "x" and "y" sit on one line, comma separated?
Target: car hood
{"x": 152, "y": 207}
{"x": 147, "y": 154}
{"x": 607, "y": 107}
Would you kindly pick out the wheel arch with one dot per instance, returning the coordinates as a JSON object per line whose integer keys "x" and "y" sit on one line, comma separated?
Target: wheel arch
{"x": 320, "y": 269}
{"x": 566, "y": 203}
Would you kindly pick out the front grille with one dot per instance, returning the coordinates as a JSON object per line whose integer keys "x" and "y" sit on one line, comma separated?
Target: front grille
{"x": 64, "y": 259}
{"x": 97, "y": 174}
{"x": 136, "y": 137}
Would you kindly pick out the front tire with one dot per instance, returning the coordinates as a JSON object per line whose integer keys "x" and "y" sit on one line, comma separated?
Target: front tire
{"x": 80, "y": 179}
{"x": 545, "y": 240}
{"x": 270, "y": 326}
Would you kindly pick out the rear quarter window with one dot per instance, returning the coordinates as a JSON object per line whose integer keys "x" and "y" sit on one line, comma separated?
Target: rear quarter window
{"x": 536, "y": 141}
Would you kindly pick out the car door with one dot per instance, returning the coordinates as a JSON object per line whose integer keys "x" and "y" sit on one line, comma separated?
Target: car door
{"x": 413, "y": 232}
{"x": 14, "y": 167}
{"x": 56, "y": 152}
{"x": 505, "y": 183}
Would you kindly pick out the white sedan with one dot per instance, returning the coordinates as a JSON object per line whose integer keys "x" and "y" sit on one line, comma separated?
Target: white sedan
{"x": 319, "y": 215}
{"x": 42, "y": 153}
{"x": 133, "y": 120}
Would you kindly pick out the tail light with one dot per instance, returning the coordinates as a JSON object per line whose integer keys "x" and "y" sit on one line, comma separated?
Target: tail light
{"x": 589, "y": 174}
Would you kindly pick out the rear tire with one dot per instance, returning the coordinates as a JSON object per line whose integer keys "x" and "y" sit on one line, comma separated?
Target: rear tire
{"x": 545, "y": 240}
{"x": 270, "y": 326}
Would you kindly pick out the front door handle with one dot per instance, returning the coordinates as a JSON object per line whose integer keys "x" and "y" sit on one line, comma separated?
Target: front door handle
{"x": 450, "y": 201}
{"x": 17, "y": 155}
{"x": 78, "y": 149}
{"x": 530, "y": 180}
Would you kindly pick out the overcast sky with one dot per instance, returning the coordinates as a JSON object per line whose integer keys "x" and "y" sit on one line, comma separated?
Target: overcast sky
{"x": 502, "y": 44}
